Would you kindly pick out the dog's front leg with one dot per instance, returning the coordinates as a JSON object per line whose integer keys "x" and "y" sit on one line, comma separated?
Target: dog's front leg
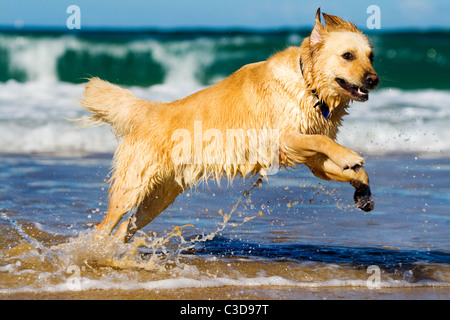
{"x": 301, "y": 147}
{"x": 322, "y": 167}
{"x": 329, "y": 160}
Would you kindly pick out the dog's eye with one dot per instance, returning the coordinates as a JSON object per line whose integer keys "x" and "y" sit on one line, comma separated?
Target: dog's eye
{"x": 348, "y": 56}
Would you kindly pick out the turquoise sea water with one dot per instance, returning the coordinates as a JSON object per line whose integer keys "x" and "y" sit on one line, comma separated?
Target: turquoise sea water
{"x": 406, "y": 60}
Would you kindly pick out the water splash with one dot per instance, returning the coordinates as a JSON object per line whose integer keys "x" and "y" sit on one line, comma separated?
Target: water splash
{"x": 43, "y": 251}
{"x": 93, "y": 249}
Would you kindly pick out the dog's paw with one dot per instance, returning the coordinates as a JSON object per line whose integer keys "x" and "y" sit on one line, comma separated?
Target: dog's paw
{"x": 363, "y": 198}
{"x": 349, "y": 159}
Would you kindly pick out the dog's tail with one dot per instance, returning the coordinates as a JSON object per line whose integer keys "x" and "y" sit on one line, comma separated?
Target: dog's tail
{"x": 112, "y": 105}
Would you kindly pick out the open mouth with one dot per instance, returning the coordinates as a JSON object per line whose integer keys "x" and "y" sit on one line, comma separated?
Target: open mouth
{"x": 357, "y": 93}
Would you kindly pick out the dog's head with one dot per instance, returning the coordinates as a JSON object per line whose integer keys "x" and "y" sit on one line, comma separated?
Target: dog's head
{"x": 341, "y": 59}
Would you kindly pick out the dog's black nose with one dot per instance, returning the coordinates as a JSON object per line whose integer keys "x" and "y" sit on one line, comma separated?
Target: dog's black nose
{"x": 371, "y": 80}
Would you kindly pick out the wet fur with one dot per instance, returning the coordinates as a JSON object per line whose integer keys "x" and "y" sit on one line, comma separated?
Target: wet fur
{"x": 273, "y": 94}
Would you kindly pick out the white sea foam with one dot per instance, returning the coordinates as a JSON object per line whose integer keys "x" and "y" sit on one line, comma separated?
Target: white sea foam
{"x": 395, "y": 121}
{"x": 85, "y": 284}
{"x": 34, "y": 119}
{"x": 35, "y": 58}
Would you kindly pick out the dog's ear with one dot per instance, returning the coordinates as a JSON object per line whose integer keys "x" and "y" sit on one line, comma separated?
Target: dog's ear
{"x": 336, "y": 23}
{"x": 317, "y": 32}
{"x": 332, "y": 20}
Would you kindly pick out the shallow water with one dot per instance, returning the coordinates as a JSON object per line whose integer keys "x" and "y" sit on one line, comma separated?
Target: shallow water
{"x": 294, "y": 237}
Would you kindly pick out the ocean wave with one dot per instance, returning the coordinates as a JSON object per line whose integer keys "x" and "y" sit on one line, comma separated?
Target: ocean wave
{"x": 135, "y": 60}
{"x": 399, "y": 121}
{"x": 35, "y": 118}
{"x": 149, "y": 58}
{"x": 109, "y": 283}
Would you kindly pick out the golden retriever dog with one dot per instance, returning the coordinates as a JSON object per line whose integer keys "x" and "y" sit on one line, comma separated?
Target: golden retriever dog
{"x": 280, "y": 112}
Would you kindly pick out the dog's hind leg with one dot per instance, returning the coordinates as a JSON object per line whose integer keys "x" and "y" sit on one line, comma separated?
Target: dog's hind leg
{"x": 154, "y": 203}
{"x": 119, "y": 204}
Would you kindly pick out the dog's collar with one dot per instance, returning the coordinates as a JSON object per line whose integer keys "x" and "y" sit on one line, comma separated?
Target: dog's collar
{"x": 322, "y": 104}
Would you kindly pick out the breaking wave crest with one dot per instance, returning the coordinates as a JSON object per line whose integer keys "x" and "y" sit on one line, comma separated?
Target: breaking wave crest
{"x": 34, "y": 117}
